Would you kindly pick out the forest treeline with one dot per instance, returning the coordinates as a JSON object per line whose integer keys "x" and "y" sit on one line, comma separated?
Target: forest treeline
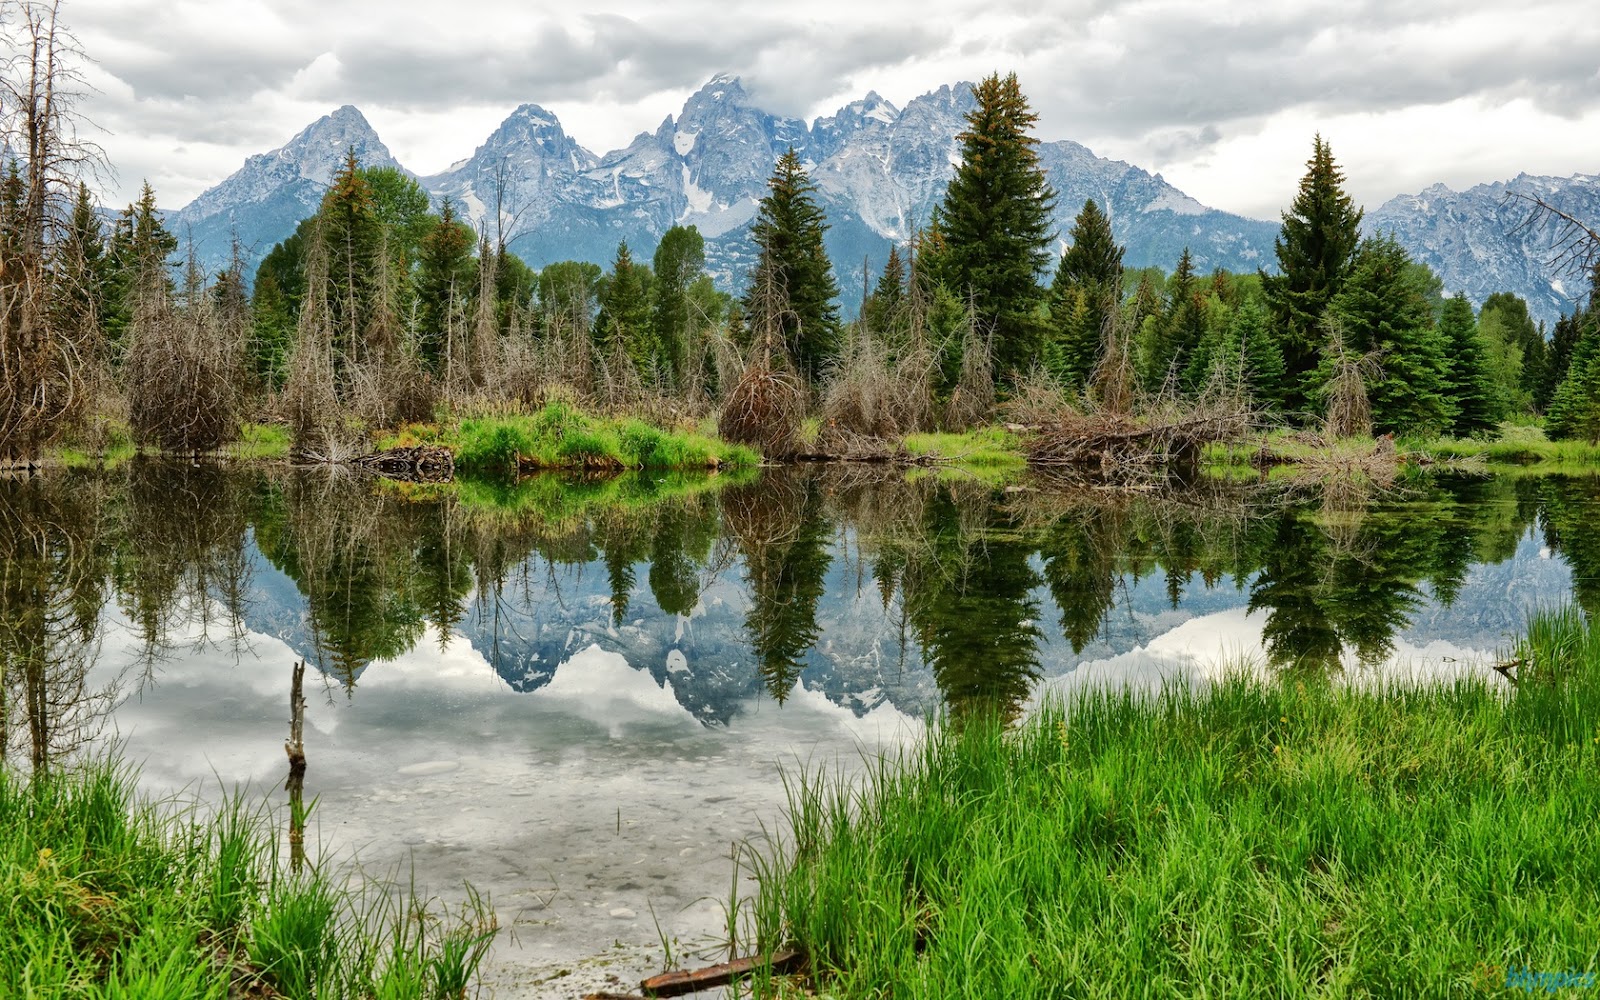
{"x": 383, "y": 308}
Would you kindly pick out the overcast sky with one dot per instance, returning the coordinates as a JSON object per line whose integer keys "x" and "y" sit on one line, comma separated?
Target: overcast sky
{"x": 1222, "y": 98}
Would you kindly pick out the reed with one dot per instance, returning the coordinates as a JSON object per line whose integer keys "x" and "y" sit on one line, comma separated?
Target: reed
{"x": 1286, "y": 838}
{"x": 105, "y": 894}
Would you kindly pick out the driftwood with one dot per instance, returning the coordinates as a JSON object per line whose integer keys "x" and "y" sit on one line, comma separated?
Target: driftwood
{"x": 295, "y": 747}
{"x": 423, "y": 464}
{"x": 1113, "y": 443}
{"x": 672, "y": 984}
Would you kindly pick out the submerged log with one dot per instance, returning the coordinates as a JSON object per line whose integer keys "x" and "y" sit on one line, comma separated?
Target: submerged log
{"x": 423, "y": 464}
{"x": 672, "y": 984}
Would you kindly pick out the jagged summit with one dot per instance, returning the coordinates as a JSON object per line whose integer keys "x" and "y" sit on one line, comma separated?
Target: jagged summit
{"x": 880, "y": 170}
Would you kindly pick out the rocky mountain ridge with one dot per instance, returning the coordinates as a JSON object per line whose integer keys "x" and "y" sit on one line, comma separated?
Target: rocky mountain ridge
{"x": 879, "y": 170}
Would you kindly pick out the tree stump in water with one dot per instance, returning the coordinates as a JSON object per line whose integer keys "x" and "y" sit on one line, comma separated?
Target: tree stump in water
{"x": 422, "y": 464}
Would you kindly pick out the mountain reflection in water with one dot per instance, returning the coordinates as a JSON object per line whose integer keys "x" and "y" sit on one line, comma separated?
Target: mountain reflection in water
{"x": 866, "y": 586}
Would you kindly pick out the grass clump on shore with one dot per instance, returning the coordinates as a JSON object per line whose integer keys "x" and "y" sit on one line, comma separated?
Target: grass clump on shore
{"x": 984, "y": 447}
{"x": 559, "y": 436}
{"x": 1286, "y": 838}
{"x": 105, "y": 895}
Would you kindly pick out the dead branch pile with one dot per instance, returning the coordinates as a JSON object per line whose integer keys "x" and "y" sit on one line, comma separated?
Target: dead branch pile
{"x": 182, "y": 371}
{"x": 1349, "y": 411}
{"x": 422, "y": 464}
{"x": 765, "y": 407}
{"x": 1169, "y": 432}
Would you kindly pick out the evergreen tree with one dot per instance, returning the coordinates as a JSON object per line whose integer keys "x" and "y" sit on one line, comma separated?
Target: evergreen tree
{"x": 1316, "y": 250}
{"x": 1468, "y": 386}
{"x": 1086, "y": 292}
{"x": 1258, "y": 350}
{"x": 885, "y": 309}
{"x": 1514, "y": 334}
{"x": 444, "y": 279}
{"x": 83, "y": 277}
{"x": 788, "y": 234}
{"x": 141, "y": 250}
{"x": 1178, "y": 330}
{"x": 1575, "y": 408}
{"x": 352, "y": 238}
{"x": 624, "y": 319}
{"x": 1384, "y": 308}
{"x": 680, "y": 258}
{"x": 996, "y": 223}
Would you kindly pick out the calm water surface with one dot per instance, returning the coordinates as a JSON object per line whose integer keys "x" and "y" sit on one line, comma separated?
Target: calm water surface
{"x": 577, "y": 694}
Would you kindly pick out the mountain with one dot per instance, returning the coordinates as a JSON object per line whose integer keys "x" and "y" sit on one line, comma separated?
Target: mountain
{"x": 1480, "y": 241}
{"x": 879, "y": 171}
{"x": 267, "y": 197}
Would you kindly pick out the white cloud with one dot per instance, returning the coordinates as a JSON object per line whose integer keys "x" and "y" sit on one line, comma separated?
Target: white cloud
{"x": 1222, "y": 99}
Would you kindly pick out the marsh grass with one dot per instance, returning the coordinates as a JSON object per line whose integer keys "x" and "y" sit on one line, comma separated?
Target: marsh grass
{"x": 1288, "y": 838}
{"x": 559, "y": 436}
{"x": 103, "y": 894}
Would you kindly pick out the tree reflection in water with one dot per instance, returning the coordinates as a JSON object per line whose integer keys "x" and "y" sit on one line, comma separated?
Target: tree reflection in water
{"x": 978, "y": 585}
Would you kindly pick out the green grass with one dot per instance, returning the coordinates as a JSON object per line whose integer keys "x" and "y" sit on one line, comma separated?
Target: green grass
{"x": 104, "y": 895}
{"x": 985, "y": 447}
{"x": 260, "y": 442}
{"x": 1290, "y": 838}
{"x": 1517, "y": 444}
{"x": 561, "y": 437}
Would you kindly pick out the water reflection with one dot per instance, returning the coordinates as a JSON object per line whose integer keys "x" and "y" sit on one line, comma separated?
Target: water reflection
{"x": 865, "y": 586}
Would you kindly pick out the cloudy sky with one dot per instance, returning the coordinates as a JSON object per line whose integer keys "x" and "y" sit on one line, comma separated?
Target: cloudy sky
{"x": 1222, "y": 98}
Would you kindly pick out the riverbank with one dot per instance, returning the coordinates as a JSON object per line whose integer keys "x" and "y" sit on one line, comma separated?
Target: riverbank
{"x": 104, "y": 893}
{"x": 1291, "y": 837}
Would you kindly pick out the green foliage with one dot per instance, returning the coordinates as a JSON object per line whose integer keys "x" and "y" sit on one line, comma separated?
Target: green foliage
{"x": 1469, "y": 387}
{"x": 788, "y": 233}
{"x": 1086, "y": 292}
{"x": 1316, "y": 251}
{"x": 886, "y": 311}
{"x": 996, "y": 224}
{"x": 624, "y": 319}
{"x": 1384, "y": 308}
{"x": 674, "y": 320}
{"x": 1263, "y": 364}
{"x": 568, "y": 290}
{"x": 445, "y": 281}
{"x": 1575, "y": 409}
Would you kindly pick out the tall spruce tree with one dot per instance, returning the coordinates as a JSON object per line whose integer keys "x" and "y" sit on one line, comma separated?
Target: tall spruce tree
{"x": 1383, "y": 307}
{"x": 1468, "y": 386}
{"x": 444, "y": 279}
{"x": 996, "y": 223}
{"x": 1085, "y": 294}
{"x": 1316, "y": 250}
{"x": 885, "y": 309}
{"x": 1251, "y": 334}
{"x": 624, "y": 319}
{"x": 788, "y": 234}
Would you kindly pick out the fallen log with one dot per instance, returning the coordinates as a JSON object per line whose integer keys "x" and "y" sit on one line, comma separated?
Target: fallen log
{"x": 672, "y": 984}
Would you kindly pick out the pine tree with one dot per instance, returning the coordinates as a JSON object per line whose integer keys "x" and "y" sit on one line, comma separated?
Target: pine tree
{"x": 1258, "y": 349}
{"x": 352, "y": 237}
{"x": 1316, "y": 250}
{"x": 624, "y": 319}
{"x": 83, "y": 275}
{"x": 1178, "y": 330}
{"x": 885, "y": 311}
{"x": 679, "y": 259}
{"x": 1575, "y": 408}
{"x": 443, "y": 281}
{"x": 788, "y": 234}
{"x": 140, "y": 252}
{"x": 1086, "y": 292}
{"x": 996, "y": 223}
{"x": 1468, "y": 386}
{"x": 1382, "y": 308}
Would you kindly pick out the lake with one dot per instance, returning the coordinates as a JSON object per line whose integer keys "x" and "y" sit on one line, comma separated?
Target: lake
{"x": 579, "y": 694}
